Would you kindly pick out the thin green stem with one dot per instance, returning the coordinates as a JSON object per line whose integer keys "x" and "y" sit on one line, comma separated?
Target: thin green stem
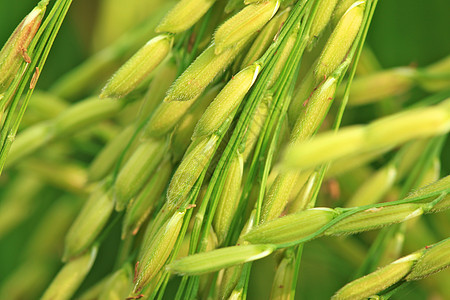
{"x": 48, "y": 30}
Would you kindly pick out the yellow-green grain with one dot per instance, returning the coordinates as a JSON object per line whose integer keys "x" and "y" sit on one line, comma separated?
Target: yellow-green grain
{"x": 89, "y": 223}
{"x": 340, "y": 41}
{"x": 201, "y": 72}
{"x": 265, "y": 37}
{"x": 246, "y": 22}
{"x": 229, "y": 199}
{"x": 290, "y": 228}
{"x": 373, "y": 189}
{"x": 138, "y": 67}
{"x": 137, "y": 170}
{"x": 226, "y": 101}
{"x": 374, "y": 218}
{"x": 377, "y": 281}
{"x": 70, "y": 277}
{"x": 189, "y": 170}
{"x": 118, "y": 285}
{"x": 156, "y": 255}
{"x": 434, "y": 259}
{"x": 215, "y": 260}
{"x": 322, "y": 18}
{"x": 140, "y": 207}
{"x": 183, "y": 15}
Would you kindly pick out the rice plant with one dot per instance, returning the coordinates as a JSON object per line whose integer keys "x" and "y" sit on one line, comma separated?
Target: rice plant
{"x": 202, "y": 149}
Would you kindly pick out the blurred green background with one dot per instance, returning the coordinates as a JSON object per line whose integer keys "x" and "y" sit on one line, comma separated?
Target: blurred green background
{"x": 403, "y": 32}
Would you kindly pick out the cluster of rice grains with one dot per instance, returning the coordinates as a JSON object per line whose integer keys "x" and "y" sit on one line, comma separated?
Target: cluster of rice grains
{"x": 211, "y": 159}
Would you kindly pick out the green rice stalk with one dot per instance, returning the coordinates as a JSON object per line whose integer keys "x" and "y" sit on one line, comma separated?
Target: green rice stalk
{"x": 39, "y": 49}
{"x": 247, "y": 265}
{"x": 136, "y": 166}
{"x": 14, "y": 52}
{"x": 195, "y": 283}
